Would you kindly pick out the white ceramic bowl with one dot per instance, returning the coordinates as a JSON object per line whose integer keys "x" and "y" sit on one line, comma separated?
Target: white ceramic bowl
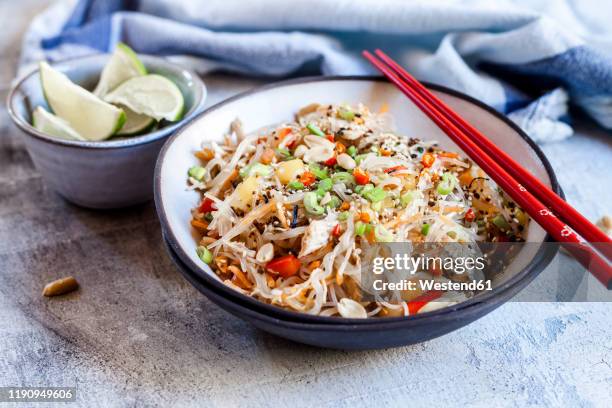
{"x": 278, "y": 102}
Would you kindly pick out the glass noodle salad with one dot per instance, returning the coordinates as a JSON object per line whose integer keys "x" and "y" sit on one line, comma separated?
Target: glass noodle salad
{"x": 286, "y": 211}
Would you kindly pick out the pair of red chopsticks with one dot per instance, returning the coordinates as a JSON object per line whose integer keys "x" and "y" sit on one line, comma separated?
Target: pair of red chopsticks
{"x": 559, "y": 219}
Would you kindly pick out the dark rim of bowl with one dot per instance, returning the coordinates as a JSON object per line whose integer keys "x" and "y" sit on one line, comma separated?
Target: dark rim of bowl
{"x": 129, "y": 141}
{"x": 537, "y": 264}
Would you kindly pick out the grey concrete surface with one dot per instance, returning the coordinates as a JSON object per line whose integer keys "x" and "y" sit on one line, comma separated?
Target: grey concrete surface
{"x": 137, "y": 334}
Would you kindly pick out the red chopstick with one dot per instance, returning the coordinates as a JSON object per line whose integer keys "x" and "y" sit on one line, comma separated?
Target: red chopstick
{"x": 559, "y": 230}
{"x": 562, "y": 209}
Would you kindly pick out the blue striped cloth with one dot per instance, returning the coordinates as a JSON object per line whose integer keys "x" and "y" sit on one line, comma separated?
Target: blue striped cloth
{"x": 526, "y": 58}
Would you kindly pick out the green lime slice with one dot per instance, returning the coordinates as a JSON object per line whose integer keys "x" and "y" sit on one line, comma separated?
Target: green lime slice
{"x": 122, "y": 65}
{"x": 152, "y": 95}
{"x": 135, "y": 123}
{"x": 52, "y": 125}
{"x": 87, "y": 114}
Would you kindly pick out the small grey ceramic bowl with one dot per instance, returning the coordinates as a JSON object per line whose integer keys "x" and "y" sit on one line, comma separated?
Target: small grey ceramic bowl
{"x": 108, "y": 174}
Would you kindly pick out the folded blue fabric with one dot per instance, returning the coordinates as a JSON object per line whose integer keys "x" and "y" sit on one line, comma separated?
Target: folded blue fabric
{"x": 524, "y": 57}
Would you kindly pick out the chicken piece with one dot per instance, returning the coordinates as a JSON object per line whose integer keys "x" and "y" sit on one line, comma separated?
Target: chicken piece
{"x": 317, "y": 234}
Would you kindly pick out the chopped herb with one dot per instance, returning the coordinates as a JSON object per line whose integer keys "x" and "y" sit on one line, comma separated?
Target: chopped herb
{"x": 204, "y": 254}
{"x": 425, "y": 229}
{"x": 255, "y": 169}
{"x": 295, "y": 185}
{"x": 315, "y": 130}
{"x": 360, "y": 228}
{"x": 311, "y": 203}
{"x": 381, "y": 234}
{"x": 343, "y": 177}
{"x": 284, "y": 154}
{"x": 375, "y": 194}
{"x": 500, "y": 222}
{"x": 334, "y": 202}
{"x": 346, "y": 114}
{"x": 197, "y": 172}
{"x": 447, "y": 185}
{"x": 319, "y": 172}
{"x": 352, "y": 151}
{"x": 407, "y": 198}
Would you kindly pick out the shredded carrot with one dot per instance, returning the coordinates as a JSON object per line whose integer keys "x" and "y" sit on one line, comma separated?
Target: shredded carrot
{"x": 452, "y": 209}
{"x": 451, "y": 155}
{"x": 385, "y": 152}
{"x": 364, "y": 217}
{"x": 283, "y": 133}
{"x": 307, "y": 178}
{"x": 267, "y": 156}
{"x": 200, "y": 225}
{"x": 339, "y": 279}
{"x": 240, "y": 278}
{"x": 205, "y": 154}
{"x": 428, "y": 159}
{"x": 270, "y": 281}
{"x": 345, "y": 206}
{"x": 340, "y": 147}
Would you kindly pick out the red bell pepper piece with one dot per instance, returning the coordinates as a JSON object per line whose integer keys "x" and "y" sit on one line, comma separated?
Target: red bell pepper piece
{"x": 207, "y": 205}
{"x": 415, "y": 305}
{"x": 286, "y": 266}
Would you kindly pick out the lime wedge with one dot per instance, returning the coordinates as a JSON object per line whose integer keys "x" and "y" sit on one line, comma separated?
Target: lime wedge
{"x": 152, "y": 95}
{"x": 135, "y": 123}
{"x": 90, "y": 116}
{"x": 122, "y": 65}
{"x": 53, "y": 125}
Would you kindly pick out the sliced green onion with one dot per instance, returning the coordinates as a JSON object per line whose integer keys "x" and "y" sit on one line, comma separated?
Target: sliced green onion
{"x": 500, "y": 222}
{"x": 375, "y": 194}
{"x": 315, "y": 130}
{"x": 425, "y": 229}
{"x": 452, "y": 234}
{"x": 325, "y": 185}
{"x": 197, "y": 172}
{"x": 358, "y": 189}
{"x": 296, "y": 185}
{"x": 204, "y": 254}
{"x": 208, "y": 217}
{"x": 352, "y": 151}
{"x": 359, "y": 158}
{"x": 285, "y": 154}
{"x": 311, "y": 203}
{"x": 255, "y": 169}
{"x": 346, "y": 113}
{"x": 381, "y": 234}
{"x": 319, "y": 172}
{"x": 377, "y": 206}
{"x": 447, "y": 185}
{"x": 343, "y": 216}
{"x": 407, "y": 198}
{"x": 343, "y": 177}
{"x": 334, "y": 202}
{"x": 366, "y": 189}
{"x": 360, "y": 228}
